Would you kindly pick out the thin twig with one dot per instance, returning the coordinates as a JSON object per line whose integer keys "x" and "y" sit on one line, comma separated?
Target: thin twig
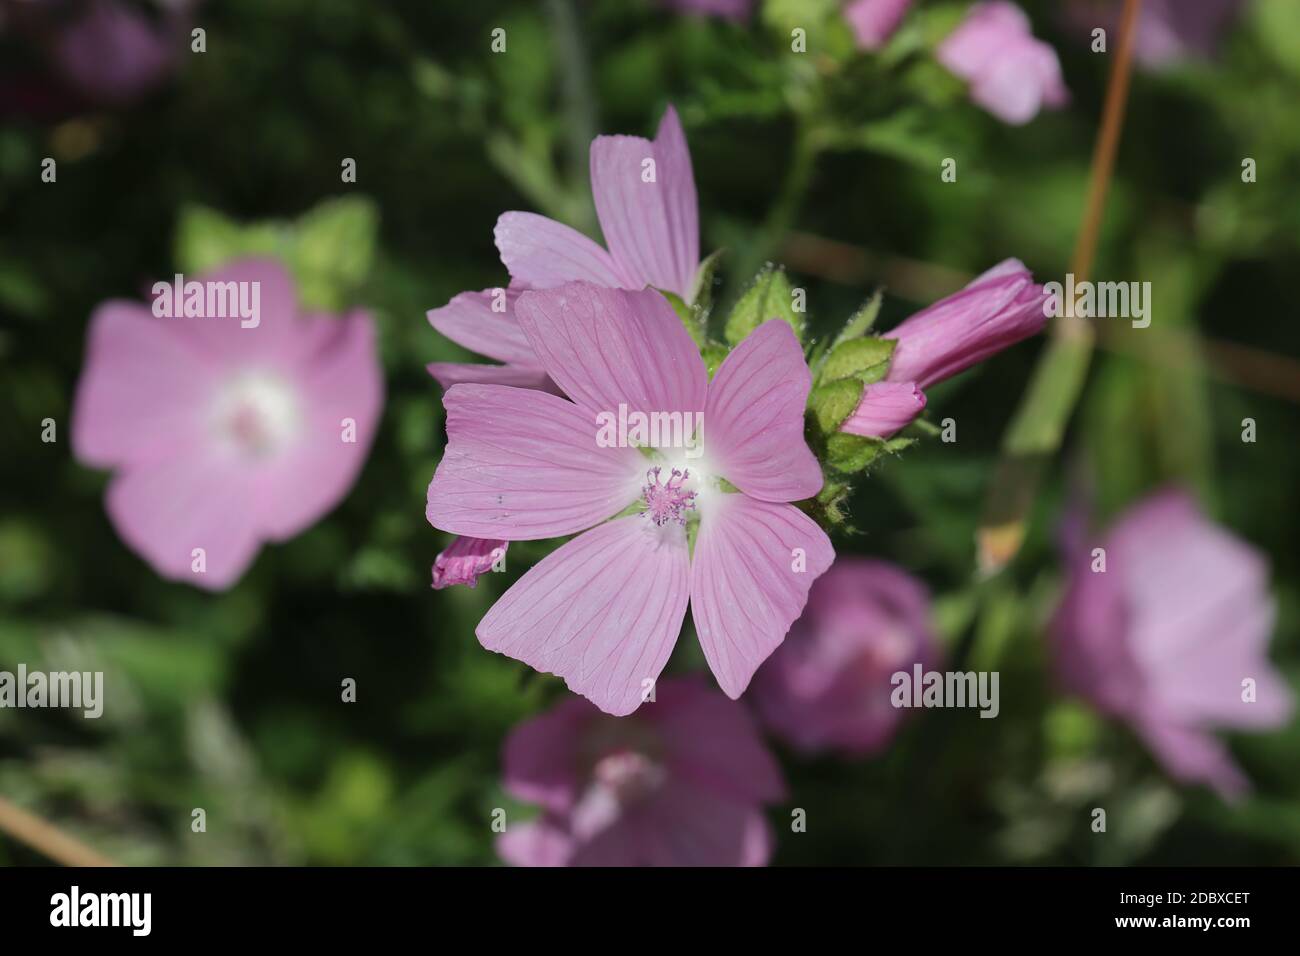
{"x": 47, "y": 839}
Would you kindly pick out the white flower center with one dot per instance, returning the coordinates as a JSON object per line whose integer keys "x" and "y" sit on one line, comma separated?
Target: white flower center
{"x": 258, "y": 415}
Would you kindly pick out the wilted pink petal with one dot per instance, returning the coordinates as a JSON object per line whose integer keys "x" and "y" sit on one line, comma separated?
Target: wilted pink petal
{"x": 1011, "y": 74}
{"x": 885, "y": 408}
{"x": 753, "y": 565}
{"x": 522, "y": 464}
{"x": 462, "y": 561}
{"x": 754, "y": 419}
{"x": 680, "y": 783}
{"x": 645, "y": 198}
{"x": 874, "y": 21}
{"x": 996, "y": 310}
{"x": 1172, "y": 637}
{"x": 225, "y": 436}
{"x": 602, "y": 611}
{"x": 828, "y": 687}
{"x": 607, "y": 348}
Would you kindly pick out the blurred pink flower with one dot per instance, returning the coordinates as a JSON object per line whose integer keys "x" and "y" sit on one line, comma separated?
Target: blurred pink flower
{"x": 222, "y": 436}
{"x": 604, "y": 610}
{"x": 1168, "y": 635}
{"x": 874, "y": 21}
{"x": 102, "y": 52}
{"x": 462, "y": 561}
{"x": 681, "y": 783}
{"x": 1011, "y": 74}
{"x": 645, "y": 201}
{"x": 995, "y": 311}
{"x": 828, "y": 686}
{"x": 1168, "y": 31}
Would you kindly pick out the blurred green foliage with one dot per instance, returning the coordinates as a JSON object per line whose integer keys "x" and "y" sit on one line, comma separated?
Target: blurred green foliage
{"x": 232, "y": 702}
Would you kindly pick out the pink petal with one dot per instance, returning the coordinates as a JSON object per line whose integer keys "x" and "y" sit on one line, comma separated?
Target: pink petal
{"x": 606, "y": 347}
{"x": 543, "y": 759}
{"x": 448, "y": 374}
{"x": 341, "y": 392}
{"x": 874, "y": 21}
{"x": 682, "y": 825}
{"x": 195, "y": 498}
{"x": 1195, "y": 756}
{"x": 142, "y": 390}
{"x": 754, "y": 563}
{"x": 652, "y": 228}
{"x": 471, "y": 320}
{"x": 462, "y": 561}
{"x": 540, "y": 842}
{"x": 885, "y": 408}
{"x": 730, "y": 758}
{"x": 542, "y": 253}
{"x": 522, "y": 464}
{"x": 754, "y": 418}
{"x": 276, "y": 339}
{"x": 603, "y": 611}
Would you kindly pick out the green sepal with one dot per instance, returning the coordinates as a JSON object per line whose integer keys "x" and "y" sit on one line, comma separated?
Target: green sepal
{"x": 833, "y": 402}
{"x": 866, "y": 359}
{"x": 769, "y": 297}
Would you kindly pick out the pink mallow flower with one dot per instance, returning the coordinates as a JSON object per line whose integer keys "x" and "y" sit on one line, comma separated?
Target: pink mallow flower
{"x": 224, "y": 434}
{"x": 828, "y": 686}
{"x": 1172, "y": 637}
{"x": 1011, "y": 74}
{"x": 604, "y": 610}
{"x": 645, "y": 200}
{"x": 681, "y": 783}
{"x": 874, "y": 21}
{"x": 995, "y": 311}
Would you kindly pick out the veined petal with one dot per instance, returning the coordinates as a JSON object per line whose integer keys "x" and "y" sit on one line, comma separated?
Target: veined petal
{"x": 646, "y": 203}
{"x": 754, "y": 563}
{"x": 610, "y": 347}
{"x": 484, "y": 322}
{"x": 523, "y": 464}
{"x": 754, "y": 417}
{"x": 542, "y": 253}
{"x": 603, "y": 611}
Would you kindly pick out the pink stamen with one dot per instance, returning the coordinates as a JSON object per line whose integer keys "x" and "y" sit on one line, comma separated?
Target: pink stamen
{"x": 668, "y": 501}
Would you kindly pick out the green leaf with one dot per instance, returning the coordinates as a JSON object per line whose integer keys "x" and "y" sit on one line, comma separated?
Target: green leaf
{"x": 329, "y": 249}
{"x": 833, "y": 402}
{"x": 861, "y": 321}
{"x": 866, "y": 359}
{"x": 770, "y": 297}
